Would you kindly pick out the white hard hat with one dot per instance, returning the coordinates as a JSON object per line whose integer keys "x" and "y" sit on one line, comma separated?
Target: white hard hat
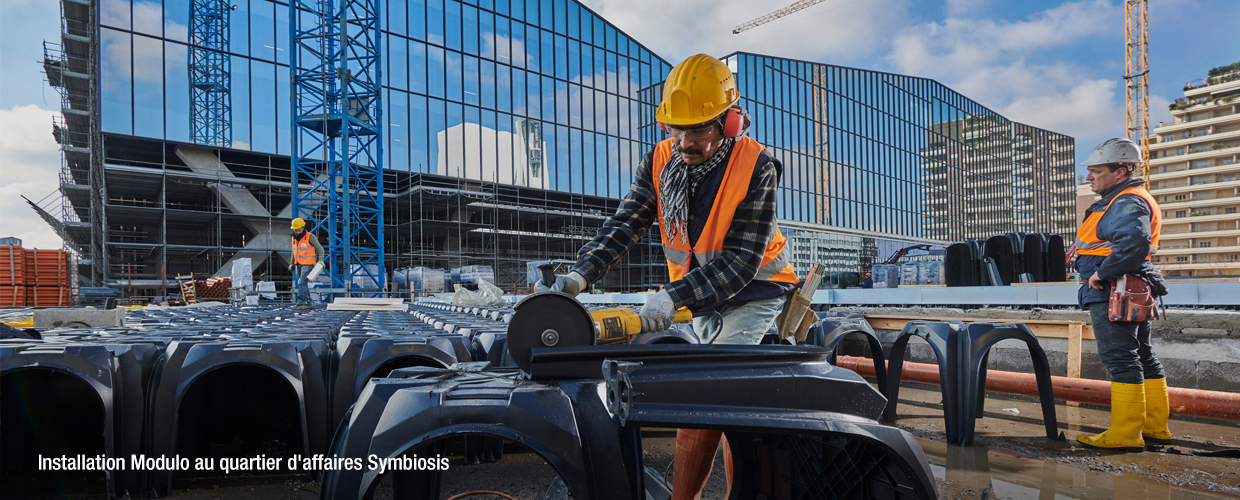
{"x": 1116, "y": 150}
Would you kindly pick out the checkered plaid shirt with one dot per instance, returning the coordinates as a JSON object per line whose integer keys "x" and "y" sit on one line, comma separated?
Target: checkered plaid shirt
{"x": 705, "y": 286}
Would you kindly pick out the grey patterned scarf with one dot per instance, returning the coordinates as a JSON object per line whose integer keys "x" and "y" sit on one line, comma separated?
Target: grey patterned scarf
{"x": 678, "y": 182}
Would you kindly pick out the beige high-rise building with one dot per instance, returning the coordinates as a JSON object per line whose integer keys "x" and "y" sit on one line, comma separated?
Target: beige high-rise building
{"x": 1195, "y": 176}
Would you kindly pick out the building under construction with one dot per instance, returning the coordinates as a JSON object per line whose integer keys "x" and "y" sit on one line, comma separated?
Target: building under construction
{"x": 510, "y": 131}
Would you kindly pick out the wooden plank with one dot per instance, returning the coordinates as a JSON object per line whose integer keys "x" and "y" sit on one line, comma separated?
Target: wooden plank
{"x": 1075, "y": 333}
{"x": 1042, "y": 328}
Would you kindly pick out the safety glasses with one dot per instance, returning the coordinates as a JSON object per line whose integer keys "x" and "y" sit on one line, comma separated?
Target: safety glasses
{"x": 694, "y": 134}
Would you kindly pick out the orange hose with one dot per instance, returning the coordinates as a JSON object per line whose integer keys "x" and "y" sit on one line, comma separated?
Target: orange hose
{"x": 1194, "y": 402}
{"x": 481, "y": 492}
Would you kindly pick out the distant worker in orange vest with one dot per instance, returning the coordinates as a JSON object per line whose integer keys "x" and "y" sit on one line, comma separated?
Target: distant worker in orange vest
{"x": 712, "y": 190}
{"x": 306, "y": 253}
{"x": 1118, "y": 236}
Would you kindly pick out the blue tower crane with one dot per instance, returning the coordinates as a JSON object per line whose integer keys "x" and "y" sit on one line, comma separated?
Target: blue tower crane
{"x": 337, "y": 134}
{"x": 210, "y": 73}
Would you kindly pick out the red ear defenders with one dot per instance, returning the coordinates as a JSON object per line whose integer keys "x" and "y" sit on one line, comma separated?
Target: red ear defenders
{"x": 734, "y": 121}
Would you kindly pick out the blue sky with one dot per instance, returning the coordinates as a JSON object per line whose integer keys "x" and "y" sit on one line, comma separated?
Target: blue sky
{"x": 1051, "y": 64}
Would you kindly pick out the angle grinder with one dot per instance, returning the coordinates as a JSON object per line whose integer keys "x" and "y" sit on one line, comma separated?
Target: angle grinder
{"x": 554, "y": 319}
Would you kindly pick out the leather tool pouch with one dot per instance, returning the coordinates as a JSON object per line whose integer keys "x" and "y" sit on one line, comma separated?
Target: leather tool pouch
{"x": 1131, "y": 300}
{"x": 796, "y": 318}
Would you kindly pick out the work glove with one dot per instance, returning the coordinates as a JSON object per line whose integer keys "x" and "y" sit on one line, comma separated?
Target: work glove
{"x": 572, "y": 284}
{"x": 657, "y": 314}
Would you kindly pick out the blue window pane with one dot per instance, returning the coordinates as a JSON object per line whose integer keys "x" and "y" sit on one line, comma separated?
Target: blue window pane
{"x": 557, "y": 100}
{"x": 599, "y": 32}
{"x": 281, "y": 35}
{"x": 613, "y": 82}
{"x": 239, "y": 27}
{"x": 546, "y": 56}
{"x": 546, "y": 17}
{"x": 561, "y": 57}
{"x": 435, "y": 71}
{"x": 502, "y": 41}
{"x": 417, "y": 67}
{"x": 115, "y": 13}
{"x": 587, "y": 26}
{"x": 452, "y": 24}
{"x": 452, "y": 154}
{"x": 488, "y": 137}
{"x": 436, "y": 134}
{"x": 574, "y": 61}
{"x": 486, "y": 4}
{"x": 600, "y": 111}
{"x": 600, "y": 69}
{"x": 434, "y": 21}
{"x": 176, "y": 85}
{"x": 471, "y": 80}
{"x": 470, "y": 34}
{"x": 531, "y": 12}
{"x": 518, "y": 9}
{"x": 624, "y": 77}
{"x": 503, "y": 94}
{"x": 455, "y": 91}
{"x": 148, "y": 84}
{"x": 534, "y": 96}
{"x": 262, "y": 31}
{"x": 397, "y": 58}
{"x": 561, "y": 17}
{"x": 533, "y": 58}
{"x": 487, "y": 71}
{"x": 284, "y": 140}
{"x": 176, "y": 21}
{"x": 501, "y": 8}
{"x": 148, "y": 17}
{"x": 398, "y": 131}
{"x": 519, "y": 93}
{"x": 472, "y": 145}
{"x": 584, "y": 156}
{"x": 240, "y": 102}
{"x": 519, "y": 53}
{"x": 587, "y": 65}
{"x": 117, "y": 82}
{"x": 573, "y": 15}
{"x": 263, "y": 106}
{"x": 574, "y": 105}
{"x": 574, "y": 161}
{"x": 418, "y": 140}
{"x": 564, "y": 171}
{"x": 587, "y": 108}
{"x": 417, "y": 19}
{"x": 397, "y": 16}
{"x": 486, "y": 35}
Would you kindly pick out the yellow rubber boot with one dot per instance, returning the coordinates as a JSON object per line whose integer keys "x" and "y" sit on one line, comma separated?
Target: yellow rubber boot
{"x": 1157, "y": 409}
{"x": 1127, "y": 419}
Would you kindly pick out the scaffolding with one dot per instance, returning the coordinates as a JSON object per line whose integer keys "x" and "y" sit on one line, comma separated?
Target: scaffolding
{"x": 210, "y": 73}
{"x": 337, "y": 133}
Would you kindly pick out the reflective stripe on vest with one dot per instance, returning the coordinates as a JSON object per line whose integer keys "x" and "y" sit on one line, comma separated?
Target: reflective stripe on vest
{"x": 732, "y": 190}
{"x": 1087, "y": 240}
{"x": 303, "y": 251}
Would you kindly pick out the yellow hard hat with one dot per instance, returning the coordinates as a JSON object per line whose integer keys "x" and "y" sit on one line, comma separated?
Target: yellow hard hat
{"x": 298, "y": 223}
{"x": 696, "y": 91}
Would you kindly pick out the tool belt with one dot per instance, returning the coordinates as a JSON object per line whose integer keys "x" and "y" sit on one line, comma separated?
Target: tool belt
{"x": 796, "y": 317}
{"x": 1131, "y": 300}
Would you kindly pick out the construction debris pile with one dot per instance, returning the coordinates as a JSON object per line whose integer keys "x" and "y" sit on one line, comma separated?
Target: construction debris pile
{"x": 34, "y": 278}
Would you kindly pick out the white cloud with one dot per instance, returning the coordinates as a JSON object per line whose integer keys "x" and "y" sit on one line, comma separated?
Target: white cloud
{"x": 31, "y": 160}
{"x": 989, "y": 61}
{"x": 837, "y": 31}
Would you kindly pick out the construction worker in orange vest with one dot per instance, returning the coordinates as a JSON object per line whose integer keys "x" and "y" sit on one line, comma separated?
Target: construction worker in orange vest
{"x": 1118, "y": 236}
{"x": 306, "y": 253}
{"x": 712, "y": 191}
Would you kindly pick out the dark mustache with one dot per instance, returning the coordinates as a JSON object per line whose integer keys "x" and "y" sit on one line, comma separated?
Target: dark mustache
{"x": 689, "y": 151}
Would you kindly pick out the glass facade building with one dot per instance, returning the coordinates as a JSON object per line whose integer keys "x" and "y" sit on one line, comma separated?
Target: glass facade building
{"x": 512, "y": 128}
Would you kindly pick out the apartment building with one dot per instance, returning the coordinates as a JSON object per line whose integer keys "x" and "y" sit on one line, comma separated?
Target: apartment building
{"x": 1195, "y": 176}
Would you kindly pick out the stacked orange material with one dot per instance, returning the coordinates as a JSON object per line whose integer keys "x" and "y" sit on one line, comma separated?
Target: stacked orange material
{"x": 209, "y": 289}
{"x": 12, "y": 276}
{"x": 47, "y": 278}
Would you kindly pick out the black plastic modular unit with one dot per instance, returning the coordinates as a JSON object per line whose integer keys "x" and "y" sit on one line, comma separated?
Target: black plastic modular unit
{"x": 963, "y": 350}
{"x": 767, "y": 399}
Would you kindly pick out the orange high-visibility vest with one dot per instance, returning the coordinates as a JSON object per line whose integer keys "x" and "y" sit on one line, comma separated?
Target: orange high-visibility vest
{"x": 732, "y": 190}
{"x": 303, "y": 251}
{"x": 1087, "y": 240}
